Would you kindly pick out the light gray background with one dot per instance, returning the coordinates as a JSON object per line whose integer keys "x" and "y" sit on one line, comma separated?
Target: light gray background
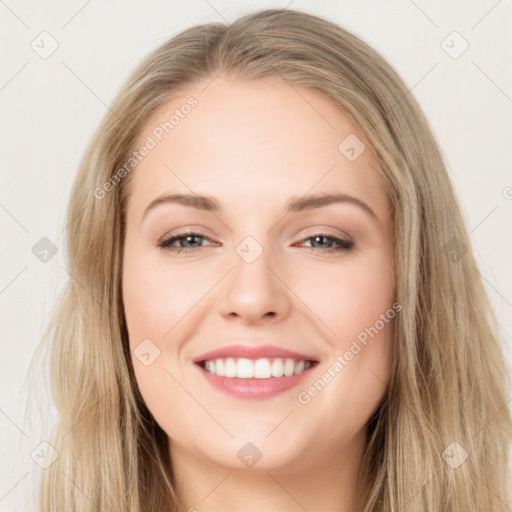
{"x": 50, "y": 107}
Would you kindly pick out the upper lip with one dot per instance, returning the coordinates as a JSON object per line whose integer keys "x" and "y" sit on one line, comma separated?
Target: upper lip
{"x": 252, "y": 352}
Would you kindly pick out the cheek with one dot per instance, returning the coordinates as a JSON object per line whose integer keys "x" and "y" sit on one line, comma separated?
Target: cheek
{"x": 351, "y": 297}
{"x": 156, "y": 296}
{"x": 355, "y": 304}
{"x": 153, "y": 304}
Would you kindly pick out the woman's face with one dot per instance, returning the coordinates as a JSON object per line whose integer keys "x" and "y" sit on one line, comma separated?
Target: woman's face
{"x": 258, "y": 265}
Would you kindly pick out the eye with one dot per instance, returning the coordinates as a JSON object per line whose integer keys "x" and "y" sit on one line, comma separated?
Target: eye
{"x": 188, "y": 238}
{"x": 321, "y": 238}
{"x": 190, "y": 242}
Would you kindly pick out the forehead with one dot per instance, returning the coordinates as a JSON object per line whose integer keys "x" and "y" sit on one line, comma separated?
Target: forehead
{"x": 254, "y": 141}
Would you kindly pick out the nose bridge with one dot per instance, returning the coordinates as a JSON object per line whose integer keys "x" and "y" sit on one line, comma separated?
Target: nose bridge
{"x": 252, "y": 290}
{"x": 251, "y": 275}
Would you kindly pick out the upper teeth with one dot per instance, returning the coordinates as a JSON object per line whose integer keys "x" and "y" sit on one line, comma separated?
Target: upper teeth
{"x": 259, "y": 369}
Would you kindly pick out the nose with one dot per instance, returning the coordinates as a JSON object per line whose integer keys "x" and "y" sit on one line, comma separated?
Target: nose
{"x": 255, "y": 292}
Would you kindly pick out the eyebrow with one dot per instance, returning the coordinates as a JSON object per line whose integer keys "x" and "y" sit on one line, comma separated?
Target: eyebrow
{"x": 294, "y": 204}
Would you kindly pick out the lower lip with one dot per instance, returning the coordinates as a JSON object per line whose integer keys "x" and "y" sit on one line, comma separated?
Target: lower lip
{"x": 254, "y": 388}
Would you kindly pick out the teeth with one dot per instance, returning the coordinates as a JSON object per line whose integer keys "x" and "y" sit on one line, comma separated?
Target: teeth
{"x": 244, "y": 369}
{"x": 262, "y": 369}
{"x": 289, "y": 367}
{"x": 259, "y": 369}
{"x": 299, "y": 368}
{"x": 277, "y": 368}
{"x": 229, "y": 368}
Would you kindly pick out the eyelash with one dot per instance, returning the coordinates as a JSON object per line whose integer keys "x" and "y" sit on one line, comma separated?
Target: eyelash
{"x": 343, "y": 245}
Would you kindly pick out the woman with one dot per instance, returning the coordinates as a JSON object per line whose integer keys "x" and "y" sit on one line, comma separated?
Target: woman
{"x": 259, "y": 367}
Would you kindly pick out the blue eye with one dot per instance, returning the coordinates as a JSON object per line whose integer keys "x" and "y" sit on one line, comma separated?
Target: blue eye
{"x": 339, "y": 244}
{"x": 189, "y": 239}
{"x": 185, "y": 239}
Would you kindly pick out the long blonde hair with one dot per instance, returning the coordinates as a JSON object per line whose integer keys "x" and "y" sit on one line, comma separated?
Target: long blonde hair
{"x": 447, "y": 397}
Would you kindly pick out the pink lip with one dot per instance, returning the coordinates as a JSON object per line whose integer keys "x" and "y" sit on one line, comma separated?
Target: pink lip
{"x": 254, "y": 388}
{"x": 253, "y": 352}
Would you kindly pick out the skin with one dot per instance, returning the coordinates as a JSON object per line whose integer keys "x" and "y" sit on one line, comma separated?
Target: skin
{"x": 252, "y": 145}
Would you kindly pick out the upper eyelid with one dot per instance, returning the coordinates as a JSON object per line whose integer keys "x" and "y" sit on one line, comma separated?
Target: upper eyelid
{"x": 183, "y": 234}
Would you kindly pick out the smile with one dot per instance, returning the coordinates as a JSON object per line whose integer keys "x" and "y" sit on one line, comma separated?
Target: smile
{"x": 254, "y": 370}
{"x": 263, "y": 368}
